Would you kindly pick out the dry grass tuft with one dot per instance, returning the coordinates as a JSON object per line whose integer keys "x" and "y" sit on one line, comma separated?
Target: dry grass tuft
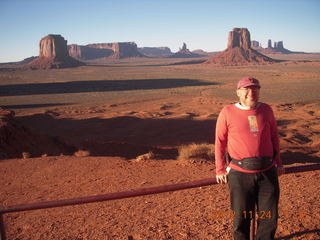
{"x": 202, "y": 152}
{"x": 144, "y": 157}
{"x": 26, "y": 155}
{"x": 82, "y": 153}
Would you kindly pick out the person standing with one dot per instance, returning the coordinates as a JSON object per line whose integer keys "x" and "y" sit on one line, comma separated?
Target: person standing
{"x": 247, "y": 157}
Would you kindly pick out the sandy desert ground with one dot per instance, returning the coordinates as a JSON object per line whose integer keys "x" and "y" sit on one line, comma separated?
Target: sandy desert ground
{"x": 122, "y": 109}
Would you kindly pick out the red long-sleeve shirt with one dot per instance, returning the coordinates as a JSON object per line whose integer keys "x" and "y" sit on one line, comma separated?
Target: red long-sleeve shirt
{"x": 245, "y": 133}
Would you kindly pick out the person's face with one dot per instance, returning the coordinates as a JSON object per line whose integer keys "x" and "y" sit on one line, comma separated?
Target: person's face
{"x": 249, "y": 96}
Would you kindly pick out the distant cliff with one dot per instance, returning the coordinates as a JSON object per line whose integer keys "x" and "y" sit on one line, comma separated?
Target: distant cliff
{"x": 155, "y": 51}
{"x": 204, "y": 53}
{"x": 116, "y": 50}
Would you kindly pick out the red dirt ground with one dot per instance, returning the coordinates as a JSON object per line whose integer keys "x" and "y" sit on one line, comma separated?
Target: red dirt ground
{"x": 111, "y": 133}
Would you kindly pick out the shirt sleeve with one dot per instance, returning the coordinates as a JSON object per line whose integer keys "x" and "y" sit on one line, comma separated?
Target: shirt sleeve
{"x": 221, "y": 139}
{"x": 275, "y": 138}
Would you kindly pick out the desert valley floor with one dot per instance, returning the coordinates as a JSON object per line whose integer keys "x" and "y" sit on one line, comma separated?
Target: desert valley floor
{"x": 117, "y": 111}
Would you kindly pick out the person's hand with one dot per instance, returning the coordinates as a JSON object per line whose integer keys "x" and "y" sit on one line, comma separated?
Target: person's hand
{"x": 221, "y": 178}
{"x": 280, "y": 170}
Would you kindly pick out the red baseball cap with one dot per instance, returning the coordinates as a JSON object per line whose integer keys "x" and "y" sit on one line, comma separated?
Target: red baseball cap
{"x": 248, "y": 81}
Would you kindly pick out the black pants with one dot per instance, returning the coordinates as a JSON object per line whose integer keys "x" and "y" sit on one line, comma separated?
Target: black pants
{"x": 248, "y": 190}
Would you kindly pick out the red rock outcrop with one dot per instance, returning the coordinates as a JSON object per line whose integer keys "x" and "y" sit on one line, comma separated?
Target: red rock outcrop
{"x": 239, "y": 51}
{"x": 75, "y": 51}
{"x": 116, "y": 50}
{"x": 16, "y": 141}
{"x": 53, "y": 46}
{"x": 53, "y": 54}
{"x": 125, "y": 50}
{"x": 184, "y": 52}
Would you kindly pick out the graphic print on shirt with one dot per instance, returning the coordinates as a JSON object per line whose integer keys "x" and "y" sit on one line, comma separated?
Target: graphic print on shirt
{"x": 253, "y": 124}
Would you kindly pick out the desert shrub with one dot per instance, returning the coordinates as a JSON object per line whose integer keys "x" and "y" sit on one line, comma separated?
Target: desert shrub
{"x": 82, "y": 153}
{"x": 202, "y": 152}
{"x": 147, "y": 156}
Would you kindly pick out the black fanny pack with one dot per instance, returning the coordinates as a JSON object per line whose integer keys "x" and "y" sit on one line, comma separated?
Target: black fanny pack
{"x": 254, "y": 163}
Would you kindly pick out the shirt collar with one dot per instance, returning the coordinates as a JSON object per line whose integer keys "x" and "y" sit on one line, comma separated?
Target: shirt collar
{"x": 238, "y": 105}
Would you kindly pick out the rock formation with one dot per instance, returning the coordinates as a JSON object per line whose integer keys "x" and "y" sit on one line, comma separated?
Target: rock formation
{"x": 278, "y": 45}
{"x": 239, "y": 51}
{"x": 155, "y": 51}
{"x": 116, "y": 50}
{"x": 184, "y": 52}
{"x": 16, "y": 141}
{"x": 53, "y": 46}
{"x": 88, "y": 53}
{"x": 125, "y": 50}
{"x": 276, "y": 49}
{"x": 184, "y": 47}
{"x": 255, "y": 44}
{"x": 53, "y": 54}
{"x": 239, "y": 37}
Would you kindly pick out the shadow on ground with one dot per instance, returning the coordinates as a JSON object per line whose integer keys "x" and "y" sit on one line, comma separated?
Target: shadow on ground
{"x": 25, "y": 106}
{"x": 299, "y": 234}
{"x": 97, "y": 86}
{"x": 125, "y": 136}
{"x": 289, "y": 157}
{"x": 130, "y": 136}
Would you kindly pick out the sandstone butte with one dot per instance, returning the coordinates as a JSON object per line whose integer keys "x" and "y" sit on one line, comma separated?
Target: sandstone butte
{"x": 117, "y": 50}
{"x": 53, "y": 54}
{"x": 278, "y": 48}
{"x": 239, "y": 51}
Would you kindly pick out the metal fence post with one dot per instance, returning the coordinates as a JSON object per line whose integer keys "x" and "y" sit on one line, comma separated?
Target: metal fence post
{"x": 2, "y": 228}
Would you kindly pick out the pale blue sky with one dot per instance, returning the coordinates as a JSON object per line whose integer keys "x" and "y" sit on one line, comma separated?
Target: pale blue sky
{"x": 202, "y": 24}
